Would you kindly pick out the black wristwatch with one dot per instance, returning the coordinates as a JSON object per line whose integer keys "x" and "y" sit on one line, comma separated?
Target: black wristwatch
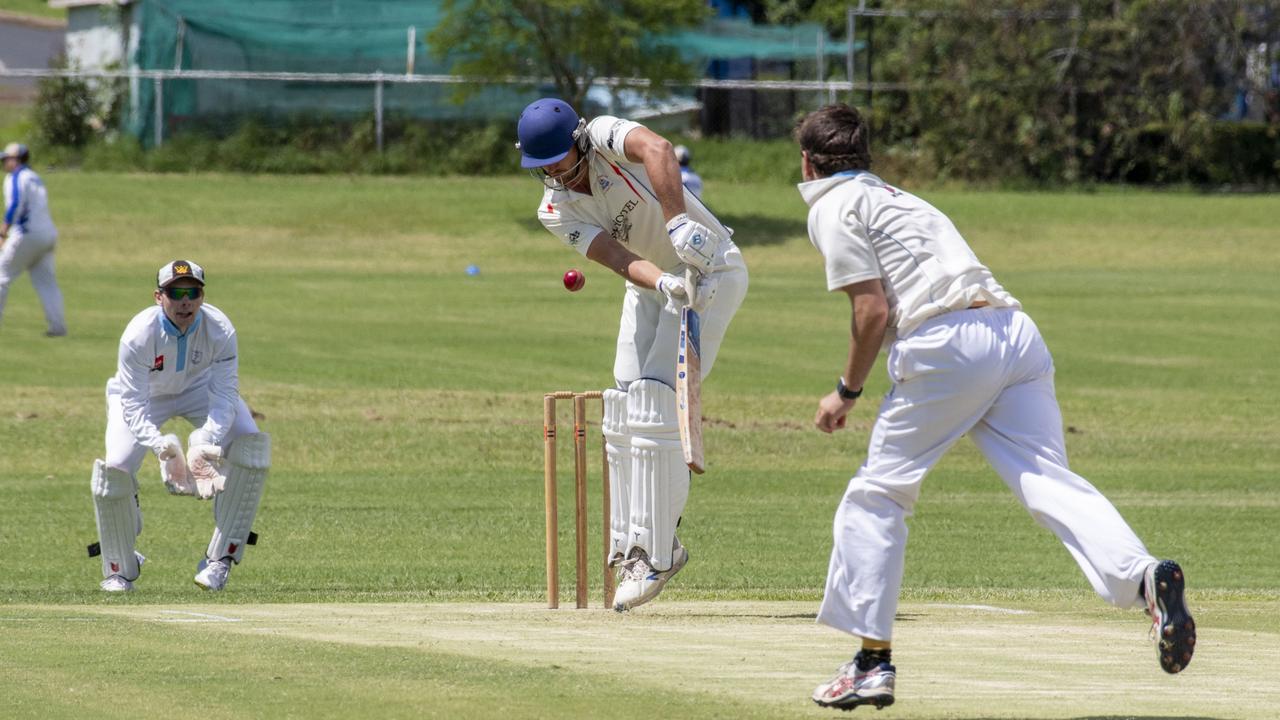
{"x": 843, "y": 391}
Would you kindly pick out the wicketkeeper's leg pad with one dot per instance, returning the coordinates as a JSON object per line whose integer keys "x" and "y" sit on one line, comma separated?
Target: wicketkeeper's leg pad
{"x": 248, "y": 460}
{"x": 617, "y": 439}
{"x": 659, "y": 476}
{"x": 119, "y": 518}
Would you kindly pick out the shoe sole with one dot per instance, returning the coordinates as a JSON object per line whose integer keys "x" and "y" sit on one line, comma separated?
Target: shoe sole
{"x": 1176, "y": 632}
{"x": 880, "y": 702}
{"x": 657, "y": 588}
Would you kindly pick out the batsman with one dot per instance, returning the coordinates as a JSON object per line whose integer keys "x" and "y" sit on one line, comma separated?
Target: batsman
{"x": 178, "y": 358}
{"x": 613, "y": 193}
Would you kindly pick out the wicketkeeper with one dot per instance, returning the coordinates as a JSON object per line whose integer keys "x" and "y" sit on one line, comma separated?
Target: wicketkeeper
{"x": 178, "y": 359}
{"x": 613, "y": 193}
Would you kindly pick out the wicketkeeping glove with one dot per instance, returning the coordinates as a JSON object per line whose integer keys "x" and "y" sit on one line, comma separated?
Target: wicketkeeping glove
{"x": 173, "y": 467}
{"x": 694, "y": 242}
{"x": 204, "y": 463}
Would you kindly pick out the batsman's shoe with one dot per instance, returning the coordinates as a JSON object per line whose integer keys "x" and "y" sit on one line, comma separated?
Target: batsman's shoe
{"x": 116, "y": 583}
{"x": 212, "y": 574}
{"x": 641, "y": 583}
{"x": 119, "y": 583}
{"x": 1171, "y": 623}
{"x": 852, "y": 687}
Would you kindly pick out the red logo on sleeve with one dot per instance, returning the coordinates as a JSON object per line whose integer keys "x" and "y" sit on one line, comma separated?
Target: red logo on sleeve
{"x": 158, "y": 365}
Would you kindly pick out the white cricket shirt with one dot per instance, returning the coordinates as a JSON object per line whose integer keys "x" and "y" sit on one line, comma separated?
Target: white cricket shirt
{"x": 156, "y": 360}
{"x": 866, "y": 228}
{"x": 621, "y": 202}
{"x": 26, "y": 204}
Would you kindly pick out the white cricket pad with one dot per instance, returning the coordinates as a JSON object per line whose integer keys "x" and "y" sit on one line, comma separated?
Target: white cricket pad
{"x": 234, "y": 509}
{"x": 617, "y": 444}
{"x": 119, "y": 518}
{"x": 659, "y": 476}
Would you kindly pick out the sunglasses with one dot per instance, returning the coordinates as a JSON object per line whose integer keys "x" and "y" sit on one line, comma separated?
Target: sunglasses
{"x": 178, "y": 293}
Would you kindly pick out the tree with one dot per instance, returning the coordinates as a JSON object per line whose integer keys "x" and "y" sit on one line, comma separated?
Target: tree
{"x": 574, "y": 42}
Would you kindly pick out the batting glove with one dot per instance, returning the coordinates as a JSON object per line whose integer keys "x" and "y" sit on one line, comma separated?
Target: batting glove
{"x": 694, "y": 242}
{"x": 674, "y": 288}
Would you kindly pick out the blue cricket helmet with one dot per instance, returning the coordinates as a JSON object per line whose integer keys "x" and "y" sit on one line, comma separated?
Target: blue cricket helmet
{"x": 547, "y": 130}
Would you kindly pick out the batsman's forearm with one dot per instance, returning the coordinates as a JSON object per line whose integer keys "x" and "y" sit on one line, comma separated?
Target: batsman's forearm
{"x": 664, "y": 173}
{"x": 611, "y": 254}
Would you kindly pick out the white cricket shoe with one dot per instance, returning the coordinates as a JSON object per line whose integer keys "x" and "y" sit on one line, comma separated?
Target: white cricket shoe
{"x": 116, "y": 583}
{"x": 212, "y": 574}
{"x": 852, "y": 687}
{"x": 119, "y": 583}
{"x": 640, "y": 582}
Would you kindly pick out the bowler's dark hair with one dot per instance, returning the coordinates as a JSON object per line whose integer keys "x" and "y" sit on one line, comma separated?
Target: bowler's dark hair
{"x": 836, "y": 139}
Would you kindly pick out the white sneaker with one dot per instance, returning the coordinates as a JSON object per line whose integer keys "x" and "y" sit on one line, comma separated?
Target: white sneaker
{"x": 119, "y": 583}
{"x": 212, "y": 574}
{"x": 640, "y": 582}
{"x": 852, "y": 687}
{"x": 116, "y": 583}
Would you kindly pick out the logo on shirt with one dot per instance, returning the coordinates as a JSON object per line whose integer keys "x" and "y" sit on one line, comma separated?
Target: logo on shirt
{"x": 573, "y": 237}
{"x": 621, "y": 230}
{"x": 196, "y": 355}
{"x": 613, "y": 130}
{"x": 158, "y": 364}
{"x": 551, "y": 208}
{"x": 604, "y": 184}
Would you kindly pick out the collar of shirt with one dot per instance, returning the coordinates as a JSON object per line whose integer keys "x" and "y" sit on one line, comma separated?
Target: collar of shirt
{"x": 171, "y": 329}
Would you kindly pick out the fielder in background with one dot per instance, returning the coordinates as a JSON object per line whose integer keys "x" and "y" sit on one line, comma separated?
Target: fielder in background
{"x": 963, "y": 359}
{"x": 178, "y": 359}
{"x": 29, "y": 237}
{"x": 688, "y": 177}
{"x": 613, "y": 193}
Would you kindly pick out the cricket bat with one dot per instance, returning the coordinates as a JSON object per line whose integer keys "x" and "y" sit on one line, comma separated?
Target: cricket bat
{"x": 689, "y": 390}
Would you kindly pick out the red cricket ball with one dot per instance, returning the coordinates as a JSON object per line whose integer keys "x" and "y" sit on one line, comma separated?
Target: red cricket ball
{"x": 574, "y": 280}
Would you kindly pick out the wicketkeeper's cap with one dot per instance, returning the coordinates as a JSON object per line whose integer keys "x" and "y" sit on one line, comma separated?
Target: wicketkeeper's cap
{"x": 547, "y": 130}
{"x": 14, "y": 150}
{"x": 179, "y": 269}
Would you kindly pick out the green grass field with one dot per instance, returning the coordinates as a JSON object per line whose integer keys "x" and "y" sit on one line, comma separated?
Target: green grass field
{"x": 400, "y": 569}
{"x": 38, "y": 9}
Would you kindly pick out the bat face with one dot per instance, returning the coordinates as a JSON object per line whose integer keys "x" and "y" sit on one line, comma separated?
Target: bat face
{"x": 689, "y": 390}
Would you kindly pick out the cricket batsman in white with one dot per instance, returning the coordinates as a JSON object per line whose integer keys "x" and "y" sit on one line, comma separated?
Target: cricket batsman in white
{"x": 964, "y": 359}
{"x": 178, "y": 359}
{"x": 613, "y": 193}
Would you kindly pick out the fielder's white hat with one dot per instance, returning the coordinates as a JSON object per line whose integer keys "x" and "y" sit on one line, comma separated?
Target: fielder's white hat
{"x": 14, "y": 150}
{"x": 179, "y": 269}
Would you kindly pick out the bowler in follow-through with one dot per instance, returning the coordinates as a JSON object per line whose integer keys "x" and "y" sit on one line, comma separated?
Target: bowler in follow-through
{"x": 964, "y": 359}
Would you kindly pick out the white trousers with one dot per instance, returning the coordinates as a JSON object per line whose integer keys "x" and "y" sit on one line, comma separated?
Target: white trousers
{"x": 124, "y": 451}
{"x": 985, "y": 372}
{"x": 649, "y": 488}
{"x": 33, "y": 253}
{"x": 648, "y": 334}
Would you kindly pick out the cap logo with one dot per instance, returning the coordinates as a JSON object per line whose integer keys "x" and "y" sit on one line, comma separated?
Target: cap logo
{"x": 180, "y": 269}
